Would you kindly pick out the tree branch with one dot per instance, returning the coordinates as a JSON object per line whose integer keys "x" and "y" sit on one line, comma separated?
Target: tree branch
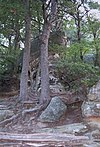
{"x": 3, "y": 46}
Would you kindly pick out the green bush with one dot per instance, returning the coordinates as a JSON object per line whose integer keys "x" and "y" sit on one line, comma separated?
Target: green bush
{"x": 72, "y": 53}
{"x": 8, "y": 62}
{"x": 55, "y": 48}
{"x": 9, "y": 78}
{"x": 75, "y": 74}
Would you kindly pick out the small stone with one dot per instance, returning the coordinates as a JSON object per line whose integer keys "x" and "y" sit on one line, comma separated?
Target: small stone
{"x": 92, "y": 97}
{"x": 98, "y": 106}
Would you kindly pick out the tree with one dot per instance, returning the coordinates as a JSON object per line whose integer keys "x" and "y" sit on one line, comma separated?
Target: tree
{"x": 76, "y": 11}
{"x": 49, "y": 14}
{"x": 94, "y": 29}
{"x": 26, "y": 55}
{"x": 11, "y": 14}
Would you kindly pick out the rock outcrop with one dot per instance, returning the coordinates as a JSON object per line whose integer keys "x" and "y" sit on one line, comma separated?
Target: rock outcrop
{"x": 91, "y": 107}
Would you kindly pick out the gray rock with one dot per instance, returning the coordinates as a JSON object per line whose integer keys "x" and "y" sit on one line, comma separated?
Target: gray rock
{"x": 90, "y": 109}
{"x": 57, "y": 89}
{"x": 72, "y": 128}
{"x": 92, "y": 144}
{"x": 69, "y": 129}
{"x": 52, "y": 80}
{"x": 94, "y": 93}
{"x": 89, "y": 58}
{"x": 96, "y": 135}
{"x": 54, "y": 111}
{"x": 5, "y": 114}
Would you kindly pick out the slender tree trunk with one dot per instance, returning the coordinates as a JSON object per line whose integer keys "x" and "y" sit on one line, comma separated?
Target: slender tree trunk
{"x": 79, "y": 36}
{"x": 44, "y": 64}
{"x": 97, "y": 57}
{"x": 16, "y": 42}
{"x": 10, "y": 46}
{"x": 16, "y": 47}
{"x": 26, "y": 55}
{"x": 37, "y": 82}
{"x": 96, "y": 63}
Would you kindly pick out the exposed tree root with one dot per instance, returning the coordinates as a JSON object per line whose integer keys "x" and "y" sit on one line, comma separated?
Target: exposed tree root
{"x": 9, "y": 120}
{"x": 22, "y": 114}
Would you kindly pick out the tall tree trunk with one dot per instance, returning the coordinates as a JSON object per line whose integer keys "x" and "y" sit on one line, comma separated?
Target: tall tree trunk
{"x": 49, "y": 13}
{"x": 26, "y": 55}
{"x": 44, "y": 64}
{"x": 16, "y": 47}
{"x": 79, "y": 35}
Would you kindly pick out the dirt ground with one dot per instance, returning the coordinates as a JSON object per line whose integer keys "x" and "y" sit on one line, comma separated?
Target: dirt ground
{"x": 28, "y": 124}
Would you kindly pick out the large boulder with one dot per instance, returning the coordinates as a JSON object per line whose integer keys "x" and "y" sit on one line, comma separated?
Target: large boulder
{"x": 91, "y": 107}
{"x": 54, "y": 111}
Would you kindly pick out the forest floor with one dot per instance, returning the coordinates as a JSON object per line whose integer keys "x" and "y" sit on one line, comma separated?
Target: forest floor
{"x": 24, "y": 130}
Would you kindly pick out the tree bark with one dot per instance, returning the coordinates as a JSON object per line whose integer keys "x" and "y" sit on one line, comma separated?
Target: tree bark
{"x": 44, "y": 64}
{"x": 96, "y": 61}
{"x": 26, "y": 55}
{"x": 49, "y": 13}
{"x": 79, "y": 33}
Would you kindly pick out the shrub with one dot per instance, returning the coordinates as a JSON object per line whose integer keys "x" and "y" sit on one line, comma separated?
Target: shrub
{"x": 55, "y": 48}
{"x": 8, "y": 62}
{"x": 73, "y": 75}
{"x": 9, "y": 78}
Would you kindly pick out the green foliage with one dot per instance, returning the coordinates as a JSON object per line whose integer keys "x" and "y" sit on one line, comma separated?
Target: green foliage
{"x": 76, "y": 74}
{"x": 94, "y": 26}
{"x": 11, "y": 14}
{"x": 94, "y": 5}
{"x": 8, "y": 62}
{"x": 55, "y": 48}
{"x": 72, "y": 53}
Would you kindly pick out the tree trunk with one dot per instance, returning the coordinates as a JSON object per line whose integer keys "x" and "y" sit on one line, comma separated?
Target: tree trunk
{"x": 49, "y": 14}
{"x": 96, "y": 61}
{"x": 37, "y": 82}
{"x": 96, "y": 58}
{"x": 26, "y": 55}
{"x": 79, "y": 36}
{"x": 44, "y": 97}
